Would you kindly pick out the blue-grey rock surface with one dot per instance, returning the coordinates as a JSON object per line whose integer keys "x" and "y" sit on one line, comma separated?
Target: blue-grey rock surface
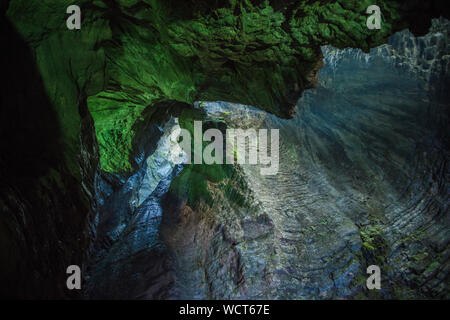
{"x": 363, "y": 179}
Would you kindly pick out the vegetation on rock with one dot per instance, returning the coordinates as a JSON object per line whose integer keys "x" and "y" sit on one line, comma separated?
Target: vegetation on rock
{"x": 129, "y": 55}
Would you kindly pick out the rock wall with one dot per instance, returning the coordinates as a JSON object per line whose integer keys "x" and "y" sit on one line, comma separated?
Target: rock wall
{"x": 363, "y": 179}
{"x": 47, "y": 195}
{"x": 129, "y": 55}
{"x": 77, "y": 99}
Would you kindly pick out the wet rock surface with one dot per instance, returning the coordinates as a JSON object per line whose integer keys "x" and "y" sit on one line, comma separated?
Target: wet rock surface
{"x": 74, "y": 100}
{"x": 129, "y": 259}
{"x": 363, "y": 179}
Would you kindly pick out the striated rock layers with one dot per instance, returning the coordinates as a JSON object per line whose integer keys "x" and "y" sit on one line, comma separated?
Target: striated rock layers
{"x": 363, "y": 179}
{"x": 76, "y": 104}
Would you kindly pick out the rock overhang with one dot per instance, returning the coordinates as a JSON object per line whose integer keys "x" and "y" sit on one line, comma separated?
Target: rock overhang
{"x": 131, "y": 55}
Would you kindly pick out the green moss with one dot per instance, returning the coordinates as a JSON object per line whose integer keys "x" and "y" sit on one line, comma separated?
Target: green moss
{"x": 130, "y": 55}
{"x": 432, "y": 267}
{"x": 114, "y": 129}
{"x": 192, "y": 182}
{"x": 369, "y": 235}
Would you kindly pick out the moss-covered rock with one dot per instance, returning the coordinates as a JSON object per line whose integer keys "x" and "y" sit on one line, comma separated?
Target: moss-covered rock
{"x": 129, "y": 55}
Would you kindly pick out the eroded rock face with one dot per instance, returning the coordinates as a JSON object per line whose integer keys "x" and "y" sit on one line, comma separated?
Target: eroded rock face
{"x": 129, "y": 259}
{"x": 129, "y": 55}
{"x": 77, "y": 99}
{"x": 363, "y": 179}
